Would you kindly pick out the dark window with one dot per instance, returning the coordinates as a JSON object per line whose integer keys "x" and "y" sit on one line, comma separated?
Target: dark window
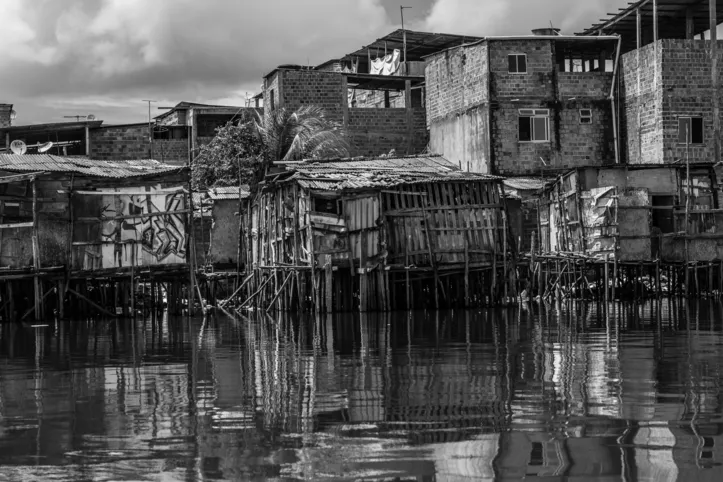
{"x": 170, "y": 132}
{"x": 517, "y": 63}
{"x": 690, "y": 130}
{"x": 663, "y": 218}
{"x": 327, "y": 205}
{"x": 585, "y": 116}
{"x": 534, "y": 125}
{"x": 536, "y": 455}
{"x": 271, "y": 99}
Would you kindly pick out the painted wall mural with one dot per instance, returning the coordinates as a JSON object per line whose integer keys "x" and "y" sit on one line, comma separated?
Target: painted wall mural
{"x": 151, "y": 229}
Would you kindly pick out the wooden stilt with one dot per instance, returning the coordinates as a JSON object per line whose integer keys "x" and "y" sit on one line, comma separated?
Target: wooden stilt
{"x": 467, "y": 301}
{"x": 328, "y": 274}
{"x": 606, "y": 287}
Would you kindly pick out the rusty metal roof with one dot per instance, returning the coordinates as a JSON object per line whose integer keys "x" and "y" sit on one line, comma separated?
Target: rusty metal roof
{"x": 380, "y": 172}
{"x": 229, "y": 192}
{"x": 527, "y": 183}
{"x": 82, "y": 165}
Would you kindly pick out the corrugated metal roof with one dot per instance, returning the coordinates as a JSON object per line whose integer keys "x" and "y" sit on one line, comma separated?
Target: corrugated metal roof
{"x": 380, "y": 172}
{"x": 81, "y": 165}
{"x": 229, "y": 192}
{"x": 527, "y": 183}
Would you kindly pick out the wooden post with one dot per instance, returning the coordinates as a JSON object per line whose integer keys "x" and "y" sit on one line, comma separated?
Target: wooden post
{"x": 504, "y": 253}
{"x": 607, "y": 277}
{"x": 36, "y": 253}
{"x": 363, "y": 278}
{"x": 328, "y": 282}
{"x": 466, "y": 272}
{"x": 406, "y": 273}
{"x": 713, "y": 24}
{"x": 430, "y": 251}
{"x": 658, "y": 288}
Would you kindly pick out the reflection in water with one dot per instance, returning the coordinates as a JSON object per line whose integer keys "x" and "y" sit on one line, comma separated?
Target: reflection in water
{"x": 586, "y": 392}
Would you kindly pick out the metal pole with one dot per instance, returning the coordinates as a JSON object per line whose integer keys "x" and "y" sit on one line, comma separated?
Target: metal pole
{"x": 404, "y": 38}
{"x": 150, "y": 129}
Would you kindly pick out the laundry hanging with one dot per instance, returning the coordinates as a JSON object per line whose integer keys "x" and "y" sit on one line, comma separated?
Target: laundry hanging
{"x": 387, "y": 65}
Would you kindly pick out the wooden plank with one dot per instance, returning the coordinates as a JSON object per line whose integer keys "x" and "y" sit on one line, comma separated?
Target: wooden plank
{"x": 127, "y": 193}
{"x": 21, "y": 177}
{"x": 28, "y": 224}
{"x": 93, "y": 219}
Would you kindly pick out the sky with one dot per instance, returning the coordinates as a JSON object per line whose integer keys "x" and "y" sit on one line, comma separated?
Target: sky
{"x": 104, "y": 57}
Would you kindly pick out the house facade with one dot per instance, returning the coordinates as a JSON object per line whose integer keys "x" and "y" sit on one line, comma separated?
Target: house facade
{"x": 523, "y": 105}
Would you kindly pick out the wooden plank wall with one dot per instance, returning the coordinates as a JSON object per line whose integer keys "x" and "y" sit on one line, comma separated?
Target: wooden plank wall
{"x": 444, "y": 219}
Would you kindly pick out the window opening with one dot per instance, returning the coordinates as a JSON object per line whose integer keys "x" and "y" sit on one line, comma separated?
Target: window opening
{"x": 517, "y": 63}
{"x": 534, "y": 125}
{"x": 585, "y": 116}
{"x": 690, "y": 130}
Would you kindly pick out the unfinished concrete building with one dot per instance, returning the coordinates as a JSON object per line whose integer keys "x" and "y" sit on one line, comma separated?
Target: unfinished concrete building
{"x": 670, "y": 92}
{"x": 375, "y": 92}
{"x": 537, "y": 104}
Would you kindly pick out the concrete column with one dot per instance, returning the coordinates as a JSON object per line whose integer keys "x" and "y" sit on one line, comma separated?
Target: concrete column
{"x": 655, "y": 21}
{"x": 344, "y": 101}
{"x": 87, "y": 140}
{"x": 714, "y": 78}
{"x": 689, "y": 24}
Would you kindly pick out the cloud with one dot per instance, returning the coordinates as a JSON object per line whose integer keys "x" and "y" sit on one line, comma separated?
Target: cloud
{"x": 104, "y": 56}
{"x": 514, "y": 17}
{"x": 170, "y": 50}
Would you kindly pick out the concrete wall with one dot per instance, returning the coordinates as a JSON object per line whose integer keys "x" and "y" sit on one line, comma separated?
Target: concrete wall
{"x": 473, "y": 105}
{"x": 371, "y": 131}
{"x": 661, "y": 82}
{"x": 223, "y": 247}
{"x": 131, "y": 142}
{"x": 5, "y": 110}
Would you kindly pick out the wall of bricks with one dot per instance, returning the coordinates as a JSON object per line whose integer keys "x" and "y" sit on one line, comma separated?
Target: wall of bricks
{"x": 371, "y": 131}
{"x": 5, "y": 110}
{"x": 473, "y": 113}
{"x": 131, "y": 142}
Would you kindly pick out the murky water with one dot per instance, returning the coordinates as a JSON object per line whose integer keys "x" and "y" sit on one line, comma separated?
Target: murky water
{"x": 574, "y": 392}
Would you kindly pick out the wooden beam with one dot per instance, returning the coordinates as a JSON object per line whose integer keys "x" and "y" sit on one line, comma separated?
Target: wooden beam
{"x": 28, "y": 224}
{"x": 20, "y": 177}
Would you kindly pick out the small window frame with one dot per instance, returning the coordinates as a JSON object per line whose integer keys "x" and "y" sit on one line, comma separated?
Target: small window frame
{"x": 517, "y": 70}
{"x": 693, "y": 138}
{"x": 585, "y": 116}
{"x": 531, "y": 115}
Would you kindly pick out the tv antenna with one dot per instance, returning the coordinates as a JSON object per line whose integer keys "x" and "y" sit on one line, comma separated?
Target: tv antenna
{"x": 18, "y": 147}
{"x": 89, "y": 117}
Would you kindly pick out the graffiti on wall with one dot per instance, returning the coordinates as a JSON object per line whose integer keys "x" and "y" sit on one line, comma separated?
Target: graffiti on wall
{"x": 151, "y": 228}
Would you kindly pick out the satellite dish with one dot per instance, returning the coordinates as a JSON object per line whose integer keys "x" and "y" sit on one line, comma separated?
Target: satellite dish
{"x": 90, "y": 117}
{"x": 45, "y": 147}
{"x": 18, "y": 147}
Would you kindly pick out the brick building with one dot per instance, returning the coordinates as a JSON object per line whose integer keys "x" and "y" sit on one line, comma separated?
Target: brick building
{"x": 6, "y": 111}
{"x": 523, "y": 105}
{"x": 370, "y": 131}
{"x": 131, "y": 141}
{"x": 670, "y": 84}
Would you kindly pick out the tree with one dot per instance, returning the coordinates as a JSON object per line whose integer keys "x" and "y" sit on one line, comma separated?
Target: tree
{"x": 243, "y": 151}
{"x": 234, "y": 155}
{"x": 302, "y": 134}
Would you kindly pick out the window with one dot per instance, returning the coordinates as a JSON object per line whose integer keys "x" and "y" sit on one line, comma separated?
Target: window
{"x": 690, "y": 130}
{"x": 170, "y": 132}
{"x": 585, "y": 116}
{"x": 517, "y": 63}
{"x": 534, "y": 125}
{"x": 271, "y": 99}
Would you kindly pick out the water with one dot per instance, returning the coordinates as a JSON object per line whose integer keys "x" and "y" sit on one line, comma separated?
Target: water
{"x": 573, "y": 392}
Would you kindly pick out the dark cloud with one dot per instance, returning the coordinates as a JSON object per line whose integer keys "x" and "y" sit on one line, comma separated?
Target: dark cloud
{"x": 104, "y": 56}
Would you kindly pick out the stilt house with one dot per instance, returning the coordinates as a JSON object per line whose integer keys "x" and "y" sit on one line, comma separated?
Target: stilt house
{"x": 378, "y": 234}
{"x": 635, "y": 213}
{"x": 65, "y": 220}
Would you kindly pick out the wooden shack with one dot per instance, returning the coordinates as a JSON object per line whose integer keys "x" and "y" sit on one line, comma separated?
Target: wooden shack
{"x": 91, "y": 229}
{"x": 223, "y": 251}
{"x": 634, "y": 213}
{"x": 379, "y": 234}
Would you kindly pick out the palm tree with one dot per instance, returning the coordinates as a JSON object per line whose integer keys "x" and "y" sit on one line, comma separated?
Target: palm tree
{"x": 305, "y": 133}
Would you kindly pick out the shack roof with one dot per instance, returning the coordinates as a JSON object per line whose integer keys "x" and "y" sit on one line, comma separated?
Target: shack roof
{"x": 671, "y": 20}
{"x": 88, "y": 167}
{"x": 343, "y": 174}
{"x": 419, "y": 44}
{"x": 229, "y": 192}
{"x": 53, "y": 126}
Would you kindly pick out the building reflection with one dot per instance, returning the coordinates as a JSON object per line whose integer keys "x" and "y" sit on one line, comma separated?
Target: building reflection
{"x": 573, "y": 391}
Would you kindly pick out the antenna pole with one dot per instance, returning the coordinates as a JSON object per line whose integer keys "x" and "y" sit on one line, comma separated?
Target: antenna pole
{"x": 150, "y": 129}
{"x": 404, "y": 36}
